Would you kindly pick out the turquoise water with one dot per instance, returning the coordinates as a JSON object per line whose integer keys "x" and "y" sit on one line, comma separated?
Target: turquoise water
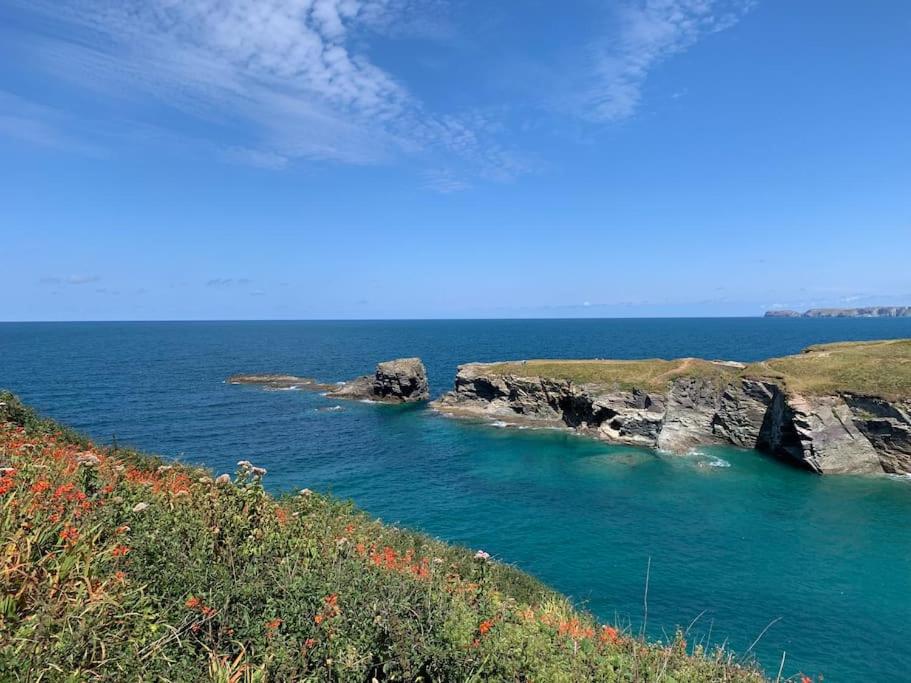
{"x": 735, "y": 536}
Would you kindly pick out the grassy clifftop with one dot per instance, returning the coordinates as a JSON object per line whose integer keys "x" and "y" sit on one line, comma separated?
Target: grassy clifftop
{"x": 880, "y": 368}
{"x": 118, "y": 566}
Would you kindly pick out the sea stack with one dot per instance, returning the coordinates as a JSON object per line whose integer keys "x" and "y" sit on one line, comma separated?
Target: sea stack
{"x": 403, "y": 380}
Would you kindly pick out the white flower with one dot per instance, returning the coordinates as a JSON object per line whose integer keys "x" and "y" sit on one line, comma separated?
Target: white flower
{"x": 258, "y": 471}
{"x": 223, "y": 479}
{"x": 244, "y": 464}
{"x": 88, "y": 459}
{"x": 481, "y": 555}
{"x": 139, "y": 507}
{"x": 306, "y": 492}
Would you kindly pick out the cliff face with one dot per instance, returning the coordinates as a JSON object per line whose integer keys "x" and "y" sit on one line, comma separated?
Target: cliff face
{"x": 836, "y": 433}
{"x": 867, "y": 312}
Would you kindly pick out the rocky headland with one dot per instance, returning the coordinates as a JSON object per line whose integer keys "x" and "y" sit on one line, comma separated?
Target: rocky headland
{"x": 866, "y": 312}
{"x": 835, "y": 408}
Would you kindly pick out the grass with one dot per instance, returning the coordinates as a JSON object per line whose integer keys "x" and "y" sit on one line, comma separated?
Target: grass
{"x": 879, "y": 368}
{"x": 651, "y": 374}
{"x": 117, "y": 566}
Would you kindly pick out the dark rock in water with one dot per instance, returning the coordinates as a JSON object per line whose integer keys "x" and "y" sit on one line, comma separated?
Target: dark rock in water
{"x": 403, "y": 380}
{"x": 276, "y": 381}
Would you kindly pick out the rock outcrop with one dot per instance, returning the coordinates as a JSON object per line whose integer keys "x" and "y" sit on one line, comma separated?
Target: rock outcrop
{"x": 276, "y": 381}
{"x": 833, "y": 433}
{"x": 396, "y": 381}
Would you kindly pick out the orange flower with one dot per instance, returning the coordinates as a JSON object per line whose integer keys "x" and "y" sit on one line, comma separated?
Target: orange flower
{"x": 120, "y": 576}
{"x": 120, "y": 551}
{"x": 609, "y": 634}
{"x": 805, "y": 679}
{"x": 485, "y": 626}
{"x": 319, "y": 618}
{"x": 193, "y": 602}
{"x": 331, "y": 600}
{"x": 309, "y": 643}
{"x": 207, "y": 611}
{"x": 273, "y": 624}
{"x": 69, "y": 534}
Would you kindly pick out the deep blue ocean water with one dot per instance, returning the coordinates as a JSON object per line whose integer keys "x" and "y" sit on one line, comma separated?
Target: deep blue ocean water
{"x": 736, "y": 534}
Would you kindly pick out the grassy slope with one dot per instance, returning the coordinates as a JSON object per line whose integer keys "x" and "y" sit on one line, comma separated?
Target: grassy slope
{"x": 116, "y": 566}
{"x": 881, "y": 368}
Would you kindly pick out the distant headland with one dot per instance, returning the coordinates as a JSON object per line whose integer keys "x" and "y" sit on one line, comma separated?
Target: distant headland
{"x": 866, "y": 312}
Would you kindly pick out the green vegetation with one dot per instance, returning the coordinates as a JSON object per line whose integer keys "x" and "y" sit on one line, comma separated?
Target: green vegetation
{"x": 880, "y": 368}
{"x": 651, "y": 374}
{"x": 117, "y": 567}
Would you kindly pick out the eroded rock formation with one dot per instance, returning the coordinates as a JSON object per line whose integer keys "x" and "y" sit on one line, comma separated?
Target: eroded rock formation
{"x": 837, "y": 433}
{"x": 403, "y": 380}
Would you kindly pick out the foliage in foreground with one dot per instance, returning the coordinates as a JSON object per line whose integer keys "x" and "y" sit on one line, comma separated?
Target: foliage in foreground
{"x": 118, "y": 567}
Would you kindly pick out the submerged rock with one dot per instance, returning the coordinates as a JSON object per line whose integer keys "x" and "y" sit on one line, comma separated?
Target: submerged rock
{"x": 403, "y": 380}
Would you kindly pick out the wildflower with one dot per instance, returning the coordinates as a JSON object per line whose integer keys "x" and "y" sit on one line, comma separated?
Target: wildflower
{"x": 88, "y": 459}
{"x": 258, "y": 471}
{"x": 481, "y": 555}
{"x": 207, "y": 612}
{"x": 309, "y": 643}
{"x": 485, "y": 626}
{"x": 40, "y": 486}
{"x": 244, "y": 464}
{"x": 120, "y": 576}
{"x": 805, "y": 679}
{"x": 192, "y": 602}
{"x": 609, "y": 635}
{"x": 122, "y": 529}
{"x": 164, "y": 468}
{"x": 223, "y": 479}
{"x": 120, "y": 551}
{"x": 139, "y": 507}
{"x": 331, "y": 600}
{"x": 273, "y": 624}
{"x": 319, "y": 618}
{"x": 69, "y": 534}
{"x": 349, "y": 529}
{"x": 306, "y": 492}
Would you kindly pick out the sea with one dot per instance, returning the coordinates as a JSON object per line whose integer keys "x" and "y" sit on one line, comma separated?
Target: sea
{"x": 739, "y": 548}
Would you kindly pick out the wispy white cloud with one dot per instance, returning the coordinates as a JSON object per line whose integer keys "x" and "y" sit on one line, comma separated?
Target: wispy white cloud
{"x": 70, "y": 280}
{"x": 444, "y": 181}
{"x": 647, "y": 33}
{"x": 283, "y": 81}
{"x": 221, "y": 282}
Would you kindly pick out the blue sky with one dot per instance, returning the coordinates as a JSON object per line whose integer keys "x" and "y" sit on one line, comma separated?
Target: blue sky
{"x": 200, "y": 159}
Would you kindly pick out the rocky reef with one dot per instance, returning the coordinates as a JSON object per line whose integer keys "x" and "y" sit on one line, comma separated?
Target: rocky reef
{"x": 839, "y": 408}
{"x": 275, "y": 381}
{"x": 403, "y": 380}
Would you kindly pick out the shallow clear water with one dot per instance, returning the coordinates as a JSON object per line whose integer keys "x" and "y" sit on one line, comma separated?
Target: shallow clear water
{"x": 735, "y": 534}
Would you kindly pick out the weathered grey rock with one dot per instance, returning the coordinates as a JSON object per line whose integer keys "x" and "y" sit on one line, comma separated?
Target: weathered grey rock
{"x": 403, "y": 380}
{"x": 692, "y": 403}
{"x": 887, "y": 426}
{"x": 826, "y": 434}
{"x": 830, "y": 441}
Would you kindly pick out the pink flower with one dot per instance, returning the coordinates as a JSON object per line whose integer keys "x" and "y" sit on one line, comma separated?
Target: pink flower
{"x": 481, "y": 555}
